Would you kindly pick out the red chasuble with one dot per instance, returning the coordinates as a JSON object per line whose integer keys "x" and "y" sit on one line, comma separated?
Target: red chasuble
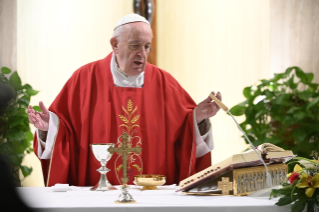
{"x": 91, "y": 109}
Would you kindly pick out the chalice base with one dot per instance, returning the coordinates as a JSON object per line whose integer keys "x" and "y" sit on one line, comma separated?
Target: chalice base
{"x": 125, "y": 197}
{"x": 102, "y": 188}
{"x": 149, "y": 188}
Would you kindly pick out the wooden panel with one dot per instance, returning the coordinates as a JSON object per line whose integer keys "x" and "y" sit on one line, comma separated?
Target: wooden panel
{"x": 142, "y": 7}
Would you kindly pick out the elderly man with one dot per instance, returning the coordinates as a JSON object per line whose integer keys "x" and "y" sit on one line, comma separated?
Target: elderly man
{"x": 123, "y": 93}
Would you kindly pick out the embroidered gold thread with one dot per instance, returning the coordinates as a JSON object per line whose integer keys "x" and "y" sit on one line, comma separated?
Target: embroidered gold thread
{"x": 135, "y": 119}
{"x": 129, "y": 125}
{"x": 137, "y": 167}
{"x": 129, "y": 105}
{"x": 119, "y": 167}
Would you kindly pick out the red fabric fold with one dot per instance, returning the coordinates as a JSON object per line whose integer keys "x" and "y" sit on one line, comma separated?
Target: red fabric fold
{"x": 91, "y": 110}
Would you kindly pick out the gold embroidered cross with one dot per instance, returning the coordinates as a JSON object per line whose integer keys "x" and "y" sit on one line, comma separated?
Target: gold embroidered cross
{"x": 125, "y": 150}
{"x": 225, "y": 185}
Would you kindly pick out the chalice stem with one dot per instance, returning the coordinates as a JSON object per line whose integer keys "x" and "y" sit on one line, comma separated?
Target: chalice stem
{"x": 103, "y": 184}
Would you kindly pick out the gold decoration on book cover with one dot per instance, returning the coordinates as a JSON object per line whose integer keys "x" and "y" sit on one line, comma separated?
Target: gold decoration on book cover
{"x": 244, "y": 170}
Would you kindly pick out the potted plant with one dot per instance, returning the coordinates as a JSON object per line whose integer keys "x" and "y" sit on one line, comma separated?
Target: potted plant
{"x": 283, "y": 111}
{"x": 301, "y": 187}
{"x": 15, "y": 134}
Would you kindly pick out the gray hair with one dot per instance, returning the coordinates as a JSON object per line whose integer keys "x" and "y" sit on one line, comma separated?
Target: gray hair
{"x": 119, "y": 31}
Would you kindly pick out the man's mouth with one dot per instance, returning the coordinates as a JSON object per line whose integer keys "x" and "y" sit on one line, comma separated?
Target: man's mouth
{"x": 138, "y": 63}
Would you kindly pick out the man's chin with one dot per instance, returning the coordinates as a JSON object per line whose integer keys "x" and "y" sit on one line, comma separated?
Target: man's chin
{"x": 135, "y": 72}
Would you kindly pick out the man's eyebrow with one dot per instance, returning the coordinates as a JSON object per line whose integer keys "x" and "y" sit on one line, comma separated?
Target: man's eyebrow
{"x": 137, "y": 41}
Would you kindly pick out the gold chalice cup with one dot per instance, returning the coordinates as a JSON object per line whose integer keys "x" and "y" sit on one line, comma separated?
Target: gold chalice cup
{"x": 103, "y": 156}
{"x": 149, "y": 181}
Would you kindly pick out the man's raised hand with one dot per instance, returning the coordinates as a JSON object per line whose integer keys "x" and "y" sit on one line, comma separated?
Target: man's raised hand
{"x": 207, "y": 108}
{"x": 39, "y": 119}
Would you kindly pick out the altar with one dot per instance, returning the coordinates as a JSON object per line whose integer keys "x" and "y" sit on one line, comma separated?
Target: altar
{"x": 81, "y": 199}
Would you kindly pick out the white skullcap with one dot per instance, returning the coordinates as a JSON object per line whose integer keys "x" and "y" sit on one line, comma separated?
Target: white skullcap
{"x": 131, "y": 18}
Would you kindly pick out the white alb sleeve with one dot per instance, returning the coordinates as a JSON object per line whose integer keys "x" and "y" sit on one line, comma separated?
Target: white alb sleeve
{"x": 204, "y": 143}
{"x": 51, "y": 136}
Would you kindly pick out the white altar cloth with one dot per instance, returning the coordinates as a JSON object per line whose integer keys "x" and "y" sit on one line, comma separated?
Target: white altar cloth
{"x": 80, "y": 199}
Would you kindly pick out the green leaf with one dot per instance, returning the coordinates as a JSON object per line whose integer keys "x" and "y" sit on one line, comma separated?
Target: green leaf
{"x": 313, "y": 102}
{"x": 285, "y": 200}
{"x": 26, "y": 170}
{"x": 15, "y": 81}
{"x": 27, "y": 86}
{"x": 31, "y": 92}
{"x": 260, "y": 113}
{"x": 279, "y": 76}
{"x": 298, "y": 116}
{"x": 247, "y": 92}
{"x": 268, "y": 93}
{"x": 309, "y": 77}
{"x": 288, "y": 120}
{"x": 314, "y": 86}
{"x": 299, "y": 205}
{"x": 305, "y": 95}
{"x": 24, "y": 101}
{"x": 237, "y": 110}
{"x": 293, "y": 109}
{"x": 291, "y": 83}
{"x": 301, "y": 75}
{"x": 29, "y": 136}
{"x": 288, "y": 70}
{"x": 17, "y": 136}
{"x": 282, "y": 99}
{"x": 244, "y": 103}
{"x": 5, "y": 70}
{"x": 300, "y": 135}
{"x": 37, "y": 108}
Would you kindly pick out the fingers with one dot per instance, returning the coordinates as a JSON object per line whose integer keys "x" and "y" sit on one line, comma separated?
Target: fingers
{"x": 31, "y": 114}
{"x": 209, "y": 99}
{"x": 43, "y": 108}
{"x": 219, "y": 96}
{"x": 32, "y": 118}
{"x": 30, "y": 109}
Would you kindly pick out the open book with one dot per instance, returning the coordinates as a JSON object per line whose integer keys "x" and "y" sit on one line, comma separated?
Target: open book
{"x": 266, "y": 150}
{"x": 269, "y": 152}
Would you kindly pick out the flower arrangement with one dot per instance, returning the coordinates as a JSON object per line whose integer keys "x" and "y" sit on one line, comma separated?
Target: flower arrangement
{"x": 301, "y": 188}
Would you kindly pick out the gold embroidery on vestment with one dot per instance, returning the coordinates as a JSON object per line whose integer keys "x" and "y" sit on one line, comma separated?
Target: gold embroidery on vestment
{"x": 130, "y": 125}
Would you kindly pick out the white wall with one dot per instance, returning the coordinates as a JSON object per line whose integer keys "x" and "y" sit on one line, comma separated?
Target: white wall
{"x": 8, "y": 34}
{"x": 57, "y": 37}
{"x": 294, "y": 35}
{"x": 212, "y": 45}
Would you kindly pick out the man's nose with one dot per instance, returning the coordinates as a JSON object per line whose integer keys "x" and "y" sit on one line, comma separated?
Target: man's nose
{"x": 142, "y": 51}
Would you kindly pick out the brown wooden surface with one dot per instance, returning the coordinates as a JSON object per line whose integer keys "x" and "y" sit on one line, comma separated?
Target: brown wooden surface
{"x": 139, "y": 7}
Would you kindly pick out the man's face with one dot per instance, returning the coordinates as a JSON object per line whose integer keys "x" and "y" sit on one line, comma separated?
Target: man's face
{"x": 133, "y": 48}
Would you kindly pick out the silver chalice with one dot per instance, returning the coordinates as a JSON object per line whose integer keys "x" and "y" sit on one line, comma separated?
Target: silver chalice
{"x": 103, "y": 156}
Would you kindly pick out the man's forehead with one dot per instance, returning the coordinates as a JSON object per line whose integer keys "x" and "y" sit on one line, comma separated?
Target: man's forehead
{"x": 137, "y": 32}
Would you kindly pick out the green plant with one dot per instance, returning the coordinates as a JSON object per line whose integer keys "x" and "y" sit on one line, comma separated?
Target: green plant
{"x": 283, "y": 111}
{"x": 301, "y": 187}
{"x": 15, "y": 134}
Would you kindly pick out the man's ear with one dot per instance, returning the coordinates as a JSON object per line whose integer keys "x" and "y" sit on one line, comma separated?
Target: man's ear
{"x": 114, "y": 44}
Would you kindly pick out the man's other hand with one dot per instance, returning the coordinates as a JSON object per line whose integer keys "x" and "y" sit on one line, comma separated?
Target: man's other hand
{"x": 39, "y": 119}
{"x": 207, "y": 108}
